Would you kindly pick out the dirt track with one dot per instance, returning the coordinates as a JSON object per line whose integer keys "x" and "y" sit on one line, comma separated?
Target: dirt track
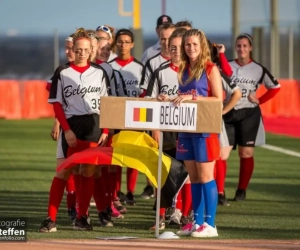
{"x": 150, "y": 245}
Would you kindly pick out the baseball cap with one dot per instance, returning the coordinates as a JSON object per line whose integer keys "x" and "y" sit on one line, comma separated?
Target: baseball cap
{"x": 163, "y": 19}
{"x": 125, "y": 32}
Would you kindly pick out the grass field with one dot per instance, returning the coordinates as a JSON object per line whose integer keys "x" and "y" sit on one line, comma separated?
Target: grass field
{"x": 27, "y": 163}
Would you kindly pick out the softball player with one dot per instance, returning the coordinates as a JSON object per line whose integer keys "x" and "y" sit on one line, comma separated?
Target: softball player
{"x": 76, "y": 93}
{"x": 199, "y": 151}
{"x": 243, "y": 122}
{"x": 105, "y": 177}
{"x": 131, "y": 70}
{"x": 155, "y": 49}
{"x": 105, "y": 32}
{"x": 164, "y": 32}
{"x": 56, "y": 135}
{"x": 154, "y": 62}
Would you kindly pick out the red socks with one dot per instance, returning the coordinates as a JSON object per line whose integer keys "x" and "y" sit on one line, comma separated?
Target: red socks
{"x": 112, "y": 176}
{"x": 102, "y": 199}
{"x": 246, "y": 170}
{"x": 179, "y": 201}
{"x": 118, "y": 178}
{"x": 221, "y": 169}
{"x": 55, "y": 196}
{"x": 71, "y": 196}
{"x": 132, "y": 175}
{"x": 186, "y": 199}
{"x": 86, "y": 188}
{"x": 77, "y": 182}
{"x": 162, "y": 212}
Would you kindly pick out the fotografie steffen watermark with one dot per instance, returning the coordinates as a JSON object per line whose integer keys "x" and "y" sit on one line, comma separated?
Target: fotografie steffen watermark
{"x": 13, "y": 229}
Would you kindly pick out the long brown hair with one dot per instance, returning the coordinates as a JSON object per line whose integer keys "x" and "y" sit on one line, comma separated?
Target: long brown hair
{"x": 202, "y": 59}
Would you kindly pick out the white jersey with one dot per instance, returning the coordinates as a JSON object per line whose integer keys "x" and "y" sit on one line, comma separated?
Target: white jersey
{"x": 117, "y": 85}
{"x": 151, "y": 65}
{"x": 228, "y": 86}
{"x": 163, "y": 81}
{"x": 132, "y": 75}
{"x": 151, "y": 51}
{"x": 248, "y": 78}
{"x": 79, "y": 93}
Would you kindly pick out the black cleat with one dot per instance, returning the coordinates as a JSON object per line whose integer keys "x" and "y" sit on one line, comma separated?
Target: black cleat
{"x": 148, "y": 192}
{"x": 169, "y": 212}
{"x": 47, "y": 226}
{"x": 222, "y": 200}
{"x": 72, "y": 214}
{"x": 105, "y": 218}
{"x": 184, "y": 221}
{"x": 240, "y": 195}
{"x": 122, "y": 196}
{"x": 83, "y": 224}
{"x": 130, "y": 199}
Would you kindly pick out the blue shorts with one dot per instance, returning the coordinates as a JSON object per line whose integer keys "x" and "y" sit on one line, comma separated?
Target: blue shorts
{"x": 199, "y": 149}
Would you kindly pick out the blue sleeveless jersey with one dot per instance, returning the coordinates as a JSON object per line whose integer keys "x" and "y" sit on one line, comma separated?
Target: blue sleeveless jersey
{"x": 199, "y": 87}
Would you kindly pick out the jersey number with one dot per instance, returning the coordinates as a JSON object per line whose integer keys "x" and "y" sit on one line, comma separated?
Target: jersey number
{"x": 244, "y": 93}
{"x": 95, "y": 103}
{"x": 131, "y": 93}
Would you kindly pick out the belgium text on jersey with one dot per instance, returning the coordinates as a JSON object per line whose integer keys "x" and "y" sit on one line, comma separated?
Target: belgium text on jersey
{"x": 69, "y": 90}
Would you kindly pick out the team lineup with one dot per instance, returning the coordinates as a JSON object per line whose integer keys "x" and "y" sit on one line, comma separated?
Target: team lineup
{"x": 182, "y": 66}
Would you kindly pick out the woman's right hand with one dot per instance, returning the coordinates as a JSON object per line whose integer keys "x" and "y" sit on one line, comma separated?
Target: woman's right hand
{"x": 71, "y": 138}
{"x": 162, "y": 97}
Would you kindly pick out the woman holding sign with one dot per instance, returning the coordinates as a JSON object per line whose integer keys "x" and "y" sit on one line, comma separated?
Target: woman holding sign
{"x": 164, "y": 85}
{"x": 199, "y": 79}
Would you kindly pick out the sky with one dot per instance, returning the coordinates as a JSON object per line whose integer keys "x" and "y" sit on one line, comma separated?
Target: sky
{"x": 42, "y": 17}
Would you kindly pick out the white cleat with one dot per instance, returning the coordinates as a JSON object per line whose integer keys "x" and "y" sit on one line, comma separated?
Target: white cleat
{"x": 205, "y": 231}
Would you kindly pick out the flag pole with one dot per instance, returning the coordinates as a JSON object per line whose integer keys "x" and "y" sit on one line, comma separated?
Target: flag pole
{"x": 159, "y": 167}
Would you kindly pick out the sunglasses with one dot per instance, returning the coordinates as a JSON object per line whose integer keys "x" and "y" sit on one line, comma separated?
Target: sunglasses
{"x": 105, "y": 29}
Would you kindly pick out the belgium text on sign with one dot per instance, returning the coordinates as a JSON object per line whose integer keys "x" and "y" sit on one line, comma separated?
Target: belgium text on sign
{"x": 160, "y": 115}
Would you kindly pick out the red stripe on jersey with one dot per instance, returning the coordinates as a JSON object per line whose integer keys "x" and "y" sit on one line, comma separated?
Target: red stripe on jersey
{"x": 124, "y": 62}
{"x": 268, "y": 95}
{"x": 226, "y": 69}
{"x": 98, "y": 61}
{"x": 165, "y": 57}
{"x": 209, "y": 66}
{"x": 79, "y": 69}
{"x": 60, "y": 115}
{"x": 174, "y": 67}
{"x": 236, "y": 60}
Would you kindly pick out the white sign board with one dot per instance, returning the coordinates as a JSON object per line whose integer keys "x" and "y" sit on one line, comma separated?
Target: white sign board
{"x": 160, "y": 115}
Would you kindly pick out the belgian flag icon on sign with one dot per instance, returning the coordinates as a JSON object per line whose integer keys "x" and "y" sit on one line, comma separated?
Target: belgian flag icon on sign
{"x": 142, "y": 115}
